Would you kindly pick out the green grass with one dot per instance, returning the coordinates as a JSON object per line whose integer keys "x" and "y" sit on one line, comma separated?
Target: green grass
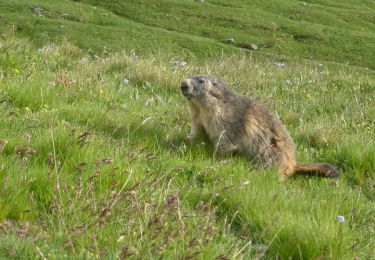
{"x": 93, "y": 167}
{"x": 334, "y": 31}
{"x": 96, "y": 168}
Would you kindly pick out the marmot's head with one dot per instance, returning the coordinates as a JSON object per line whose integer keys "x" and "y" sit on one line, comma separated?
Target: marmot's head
{"x": 205, "y": 90}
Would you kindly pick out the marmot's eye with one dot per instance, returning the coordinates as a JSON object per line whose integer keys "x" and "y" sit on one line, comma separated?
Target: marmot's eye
{"x": 201, "y": 81}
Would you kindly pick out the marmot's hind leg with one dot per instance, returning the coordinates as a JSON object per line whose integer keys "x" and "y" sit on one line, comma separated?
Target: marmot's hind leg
{"x": 287, "y": 167}
{"x": 227, "y": 149}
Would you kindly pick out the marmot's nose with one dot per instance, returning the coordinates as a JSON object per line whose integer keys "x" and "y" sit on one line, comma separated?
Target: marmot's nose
{"x": 184, "y": 86}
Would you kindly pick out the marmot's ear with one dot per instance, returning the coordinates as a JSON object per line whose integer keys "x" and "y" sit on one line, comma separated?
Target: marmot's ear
{"x": 214, "y": 82}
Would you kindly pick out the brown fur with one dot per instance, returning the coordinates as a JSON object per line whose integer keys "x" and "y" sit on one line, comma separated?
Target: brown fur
{"x": 236, "y": 123}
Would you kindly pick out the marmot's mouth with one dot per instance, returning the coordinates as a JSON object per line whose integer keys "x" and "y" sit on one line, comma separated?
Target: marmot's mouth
{"x": 187, "y": 95}
{"x": 185, "y": 90}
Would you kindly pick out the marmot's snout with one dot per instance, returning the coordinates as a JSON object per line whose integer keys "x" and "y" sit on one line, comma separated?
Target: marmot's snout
{"x": 186, "y": 89}
{"x": 184, "y": 86}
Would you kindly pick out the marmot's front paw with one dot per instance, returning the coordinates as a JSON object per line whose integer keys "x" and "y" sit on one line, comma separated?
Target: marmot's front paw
{"x": 190, "y": 137}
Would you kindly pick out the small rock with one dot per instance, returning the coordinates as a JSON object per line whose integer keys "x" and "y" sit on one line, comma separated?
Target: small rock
{"x": 280, "y": 65}
{"x": 254, "y": 47}
{"x": 250, "y": 46}
{"x": 304, "y": 3}
{"x": 200, "y": 1}
{"x": 38, "y": 10}
{"x": 230, "y": 41}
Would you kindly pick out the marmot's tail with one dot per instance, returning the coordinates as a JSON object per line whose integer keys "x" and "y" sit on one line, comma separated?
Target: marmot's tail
{"x": 318, "y": 169}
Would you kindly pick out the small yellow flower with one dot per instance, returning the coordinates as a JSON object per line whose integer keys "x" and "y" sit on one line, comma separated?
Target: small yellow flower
{"x": 101, "y": 92}
{"x": 16, "y": 71}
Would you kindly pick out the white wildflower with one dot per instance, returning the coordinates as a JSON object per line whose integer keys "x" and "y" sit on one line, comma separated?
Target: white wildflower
{"x": 121, "y": 238}
{"x": 133, "y": 56}
{"x": 340, "y": 218}
{"x": 125, "y": 81}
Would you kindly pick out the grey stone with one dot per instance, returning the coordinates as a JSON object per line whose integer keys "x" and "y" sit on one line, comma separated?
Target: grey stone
{"x": 249, "y": 46}
{"x": 38, "y": 10}
{"x": 230, "y": 41}
{"x": 254, "y": 46}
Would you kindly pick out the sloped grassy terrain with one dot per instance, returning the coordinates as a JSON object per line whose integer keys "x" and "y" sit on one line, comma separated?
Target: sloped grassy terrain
{"x": 96, "y": 28}
{"x": 336, "y": 31}
{"x": 94, "y": 161}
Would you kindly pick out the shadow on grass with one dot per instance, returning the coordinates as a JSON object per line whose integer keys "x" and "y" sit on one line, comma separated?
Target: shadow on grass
{"x": 155, "y": 136}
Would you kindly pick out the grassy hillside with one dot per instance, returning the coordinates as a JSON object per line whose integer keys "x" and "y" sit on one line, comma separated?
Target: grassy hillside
{"x": 94, "y": 161}
{"x": 337, "y": 31}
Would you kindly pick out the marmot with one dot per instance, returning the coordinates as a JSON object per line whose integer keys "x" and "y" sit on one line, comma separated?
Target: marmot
{"x": 238, "y": 124}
